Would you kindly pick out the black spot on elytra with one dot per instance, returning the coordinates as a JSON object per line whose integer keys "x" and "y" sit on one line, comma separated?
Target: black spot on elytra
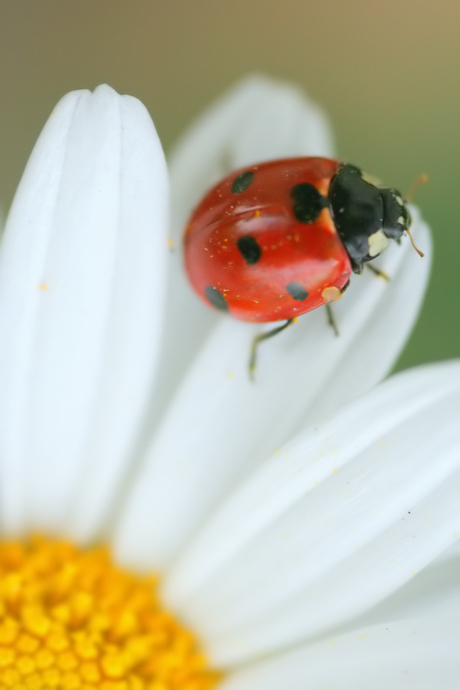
{"x": 216, "y": 298}
{"x": 249, "y": 249}
{"x": 242, "y": 182}
{"x": 307, "y": 202}
{"x": 297, "y": 291}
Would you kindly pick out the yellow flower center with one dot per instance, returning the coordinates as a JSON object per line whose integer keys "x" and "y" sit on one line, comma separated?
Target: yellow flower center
{"x": 69, "y": 618}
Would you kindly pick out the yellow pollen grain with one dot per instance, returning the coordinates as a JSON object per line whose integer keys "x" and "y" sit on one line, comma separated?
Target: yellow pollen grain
{"x": 70, "y": 619}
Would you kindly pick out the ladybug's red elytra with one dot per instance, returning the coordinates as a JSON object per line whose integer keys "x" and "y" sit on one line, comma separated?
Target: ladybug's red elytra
{"x": 275, "y": 240}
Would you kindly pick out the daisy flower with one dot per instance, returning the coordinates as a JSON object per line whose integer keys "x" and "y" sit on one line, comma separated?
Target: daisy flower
{"x": 165, "y": 522}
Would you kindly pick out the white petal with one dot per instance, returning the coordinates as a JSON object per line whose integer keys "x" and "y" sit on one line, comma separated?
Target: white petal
{"x": 408, "y": 655}
{"x": 383, "y": 330}
{"x": 259, "y": 119}
{"x": 221, "y": 425}
{"x": 435, "y": 592}
{"x": 81, "y": 287}
{"x": 335, "y": 522}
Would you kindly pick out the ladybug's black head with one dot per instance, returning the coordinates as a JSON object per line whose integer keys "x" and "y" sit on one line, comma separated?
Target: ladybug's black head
{"x": 396, "y": 217}
{"x": 366, "y": 217}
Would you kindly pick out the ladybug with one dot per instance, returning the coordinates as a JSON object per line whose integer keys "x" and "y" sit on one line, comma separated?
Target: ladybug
{"x": 275, "y": 240}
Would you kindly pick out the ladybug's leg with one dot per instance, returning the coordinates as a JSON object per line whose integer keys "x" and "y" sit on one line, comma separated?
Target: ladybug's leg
{"x": 258, "y": 339}
{"x": 330, "y": 319}
{"x": 380, "y": 274}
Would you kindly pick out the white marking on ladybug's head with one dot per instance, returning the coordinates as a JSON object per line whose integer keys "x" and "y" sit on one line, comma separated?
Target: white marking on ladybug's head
{"x": 378, "y": 242}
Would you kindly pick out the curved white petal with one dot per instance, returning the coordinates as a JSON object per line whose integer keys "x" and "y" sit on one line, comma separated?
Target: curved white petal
{"x": 332, "y": 524}
{"x": 221, "y": 425}
{"x": 82, "y": 277}
{"x": 407, "y": 655}
{"x": 435, "y": 592}
{"x": 259, "y": 119}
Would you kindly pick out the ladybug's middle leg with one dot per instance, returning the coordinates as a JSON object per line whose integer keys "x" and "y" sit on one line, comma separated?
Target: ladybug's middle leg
{"x": 330, "y": 318}
{"x": 258, "y": 339}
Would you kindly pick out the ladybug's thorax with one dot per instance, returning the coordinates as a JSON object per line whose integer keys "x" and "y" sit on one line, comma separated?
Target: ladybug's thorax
{"x": 366, "y": 216}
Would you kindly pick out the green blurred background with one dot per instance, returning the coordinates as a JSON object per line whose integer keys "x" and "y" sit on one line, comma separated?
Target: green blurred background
{"x": 387, "y": 73}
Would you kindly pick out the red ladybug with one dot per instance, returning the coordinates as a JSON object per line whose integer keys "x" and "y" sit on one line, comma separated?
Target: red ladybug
{"x": 275, "y": 240}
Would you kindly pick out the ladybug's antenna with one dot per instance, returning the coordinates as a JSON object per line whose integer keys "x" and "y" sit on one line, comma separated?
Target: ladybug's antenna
{"x": 421, "y": 180}
{"x": 412, "y": 243}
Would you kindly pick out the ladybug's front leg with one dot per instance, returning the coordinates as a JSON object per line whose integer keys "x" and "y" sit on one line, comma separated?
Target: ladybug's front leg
{"x": 258, "y": 339}
{"x": 378, "y": 273}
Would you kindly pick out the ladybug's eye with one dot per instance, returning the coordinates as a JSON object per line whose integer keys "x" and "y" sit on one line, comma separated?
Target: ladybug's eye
{"x": 396, "y": 217}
